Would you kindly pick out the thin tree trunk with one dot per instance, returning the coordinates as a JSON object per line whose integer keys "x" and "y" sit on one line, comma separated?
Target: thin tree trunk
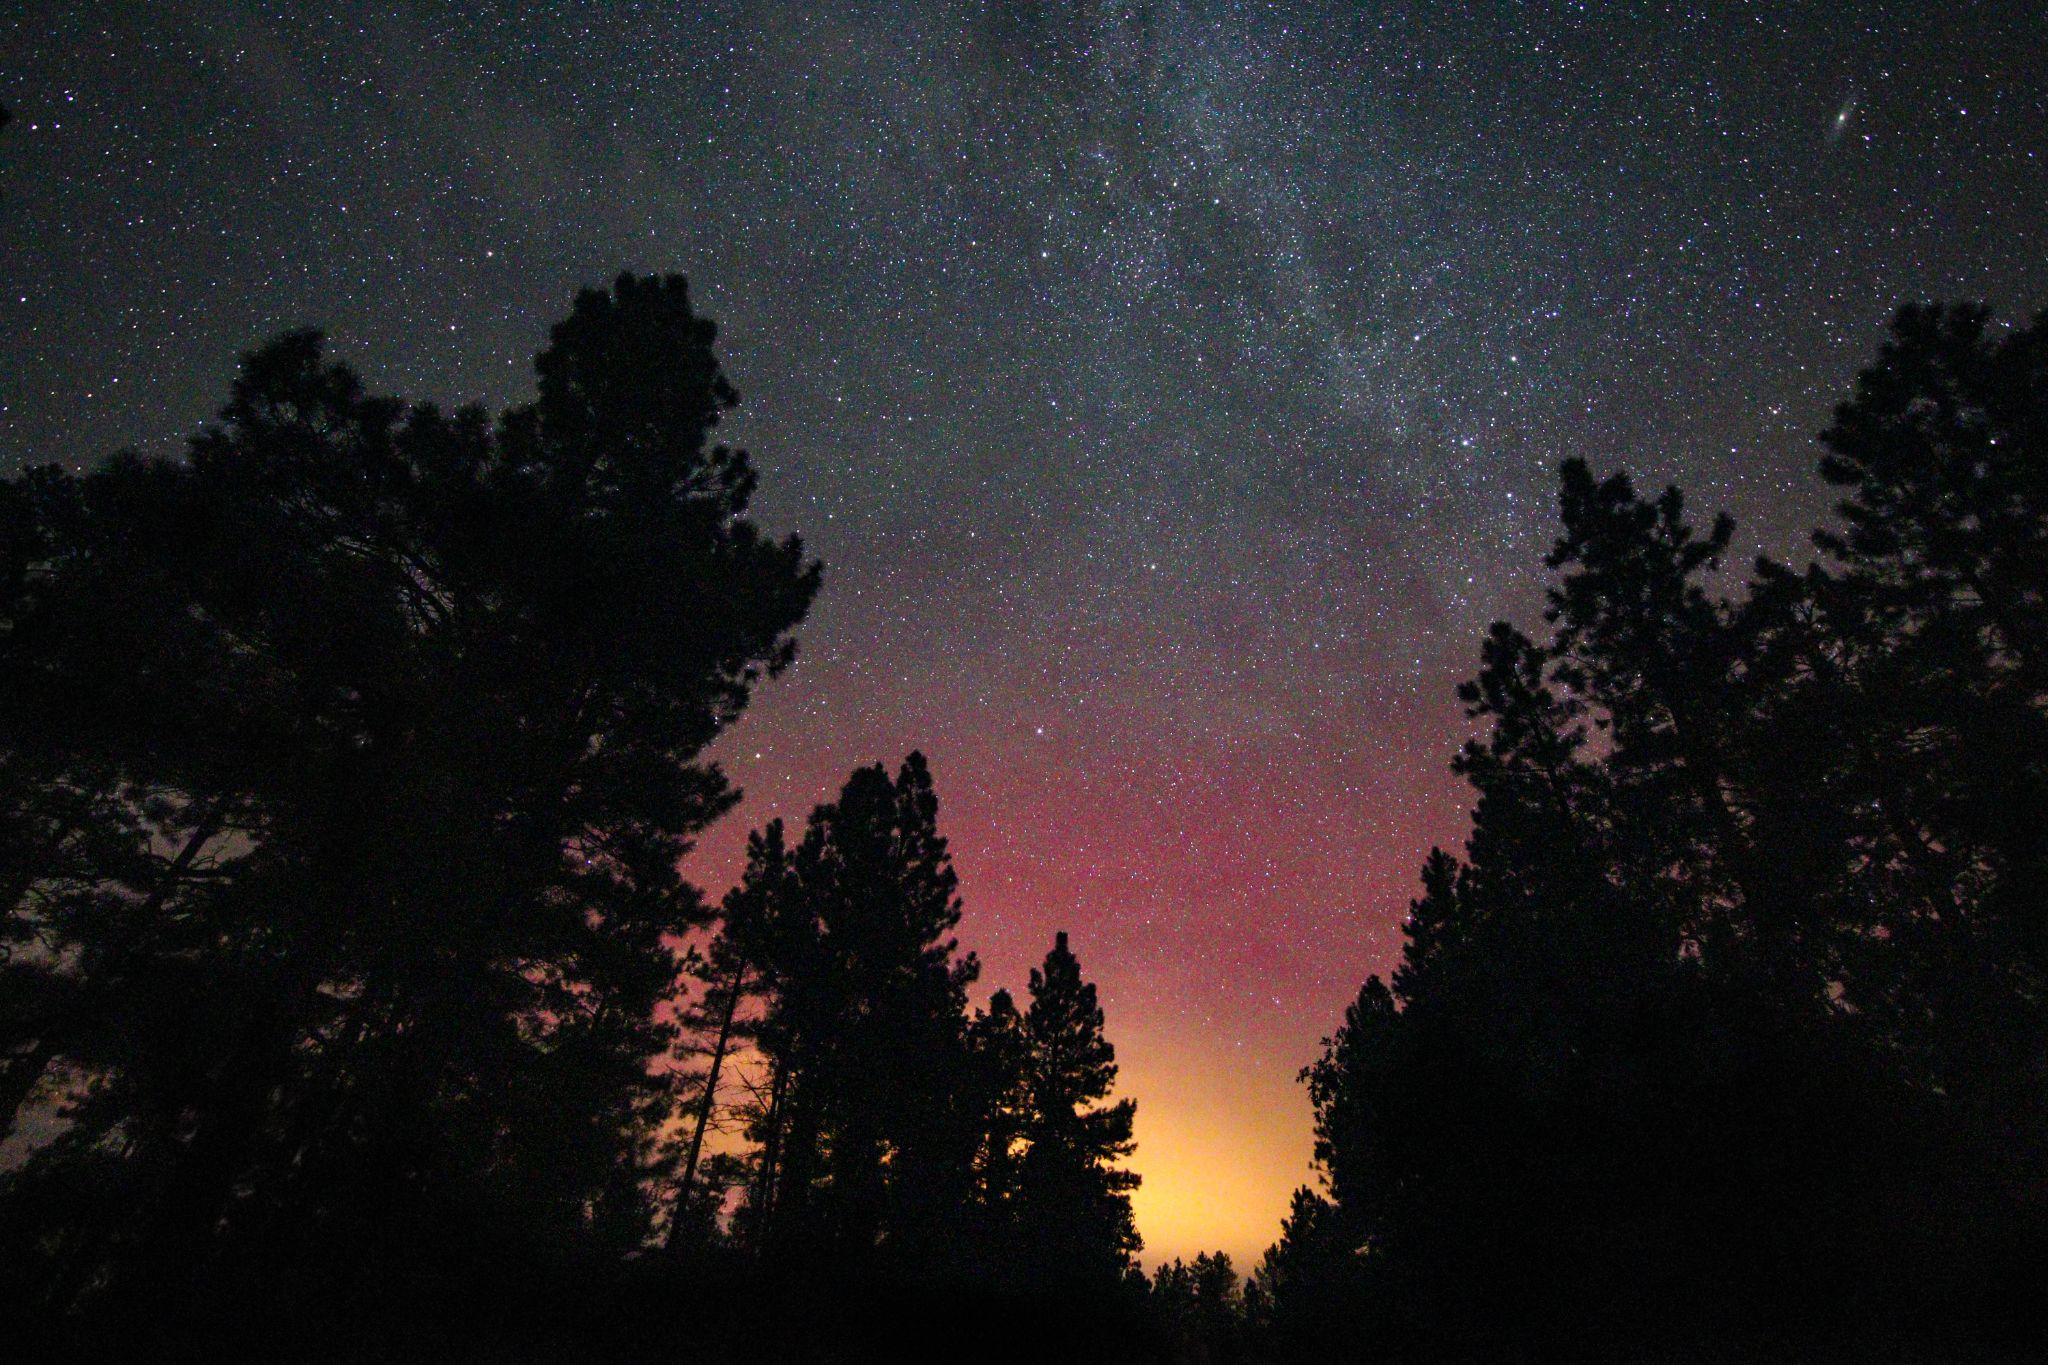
{"x": 767, "y": 1179}
{"x": 706, "y": 1104}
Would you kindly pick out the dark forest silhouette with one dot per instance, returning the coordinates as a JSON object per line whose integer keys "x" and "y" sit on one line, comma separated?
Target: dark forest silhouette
{"x": 352, "y": 1004}
{"x": 1726, "y": 1034}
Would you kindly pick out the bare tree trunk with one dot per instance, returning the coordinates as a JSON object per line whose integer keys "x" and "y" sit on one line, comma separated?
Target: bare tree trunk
{"x": 706, "y": 1105}
{"x": 768, "y": 1177}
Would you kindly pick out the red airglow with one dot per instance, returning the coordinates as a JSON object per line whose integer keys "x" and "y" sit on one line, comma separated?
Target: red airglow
{"x": 1226, "y": 900}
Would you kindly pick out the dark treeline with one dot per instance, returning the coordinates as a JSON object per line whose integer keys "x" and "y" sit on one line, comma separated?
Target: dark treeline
{"x": 353, "y": 1006}
{"x": 346, "y": 765}
{"x": 1727, "y": 1038}
{"x": 889, "y": 1129}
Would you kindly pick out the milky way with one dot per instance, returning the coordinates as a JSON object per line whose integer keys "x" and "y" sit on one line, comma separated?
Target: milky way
{"x": 1173, "y": 391}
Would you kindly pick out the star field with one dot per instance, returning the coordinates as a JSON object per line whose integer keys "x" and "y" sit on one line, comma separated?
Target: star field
{"x": 1173, "y": 391}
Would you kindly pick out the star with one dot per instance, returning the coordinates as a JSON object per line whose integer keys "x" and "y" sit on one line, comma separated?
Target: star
{"x": 1245, "y": 464}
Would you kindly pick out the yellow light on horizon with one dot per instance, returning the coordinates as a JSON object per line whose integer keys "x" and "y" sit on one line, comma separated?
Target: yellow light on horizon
{"x": 1222, "y": 1146}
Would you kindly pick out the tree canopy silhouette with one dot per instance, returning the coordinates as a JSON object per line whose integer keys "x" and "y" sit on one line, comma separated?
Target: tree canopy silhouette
{"x": 1073, "y": 1198}
{"x": 1728, "y": 1027}
{"x": 345, "y": 767}
{"x": 865, "y": 1031}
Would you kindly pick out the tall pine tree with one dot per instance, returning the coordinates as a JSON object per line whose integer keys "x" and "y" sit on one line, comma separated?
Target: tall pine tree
{"x": 1728, "y": 1023}
{"x": 345, "y": 767}
{"x": 866, "y": 1133}
{"x": 1074, "y": 1200}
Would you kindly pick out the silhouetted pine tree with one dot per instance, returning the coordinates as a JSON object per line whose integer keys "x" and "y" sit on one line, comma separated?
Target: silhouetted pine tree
{"x": 1072, "y": 1196}
{"x": 1001, "y": 1050}
{"x": 1706, "y": 1038}
{"x": 1200, "y": 1305}
{"x": 732, "y": 971}
{"x": 1306, "y": 1299}
{"x": 867, "y": 1130}
{"x": 347, "y": 764}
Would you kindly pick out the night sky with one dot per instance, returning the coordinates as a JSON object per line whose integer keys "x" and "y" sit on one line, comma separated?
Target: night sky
{"x": 1173, "y": 391}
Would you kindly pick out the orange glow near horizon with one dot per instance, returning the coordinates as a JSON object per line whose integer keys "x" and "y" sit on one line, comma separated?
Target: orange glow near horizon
{"x": 1227, "y": 901}
{"x": 1222, "y": 1145}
